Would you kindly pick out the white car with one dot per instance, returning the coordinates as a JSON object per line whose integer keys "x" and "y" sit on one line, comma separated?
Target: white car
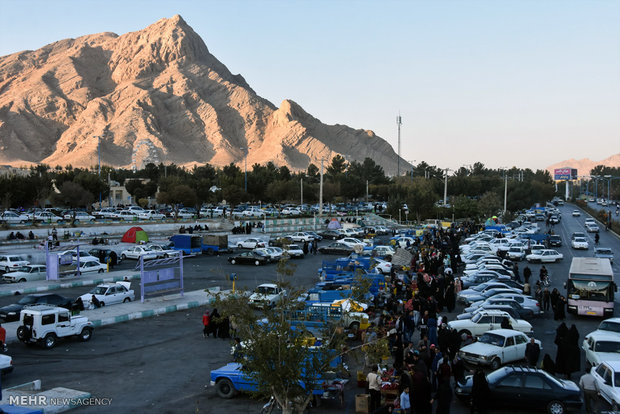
{"x": 576, "y": 213}
{"x": 545, "y": 256}
{"x": 84, "y": 256}
{"x": 382, "y": 266}
{"x": 267, "y": 295}
{"x": 601, "y": 346}
{"x": 105, "y": 213}
{"x": 47, "y": 217}
{"x": 161, "y": 252}
{"x": 383, "y": 251}
{"x": 253, "y": 212}
{"x": 607, "y": 380}
{"x": 352, "y": 242}
{"x": 290, "y": 211}
{"x": 109, "y": 294}
{"x": 580, "y": 243}
{"x": 91, "y": 266}
{"x": 186, "y": 213}
{"x": 302, "y": 236}
{"x": 26, "y": 274}
{"x": 151, "y": 215}
{"x": 11, "y": 262}
{"x": 11, "y": 217}
{"x": 6, "y": 364}
{"x": 251, "y": 243}
{"x": 516, "y": 253}
{"x": 80, "y": 216}
{"x": 293, "y": 250}
{"x": 592, "y": 228}
{"x": 496, "y": 348}
{"x": 137, "y": 252}
{"x": 488, "y": 320}
{"x": 125, "y": 215}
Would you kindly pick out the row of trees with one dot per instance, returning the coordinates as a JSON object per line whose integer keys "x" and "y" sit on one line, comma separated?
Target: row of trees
{"x": 473, "y": 192}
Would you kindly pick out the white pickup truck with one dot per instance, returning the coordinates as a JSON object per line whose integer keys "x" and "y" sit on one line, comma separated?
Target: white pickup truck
{"x": 44, "y": 325}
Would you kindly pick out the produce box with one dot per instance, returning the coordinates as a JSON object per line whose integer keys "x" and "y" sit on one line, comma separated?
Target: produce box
{"x": 362, "y": 403}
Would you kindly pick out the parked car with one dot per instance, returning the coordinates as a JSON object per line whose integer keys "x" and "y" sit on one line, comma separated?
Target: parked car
{"x": 290, "y": 211}
{"x": 186, "y": 213}
{"x": 251, "y": 243}
{"x": 138, "y": 252}
{"x": 105, "y": 254}
{"x": 544, "y": 256}
{"x": 46, "y": 217}
{"x": 274, "y": 253}
{"x": 607, "y": 380}
{"x": 109, "y": 294}
{"x": 293, "y": 251}
{"x": 525, "y": 388}
{"x": 125, "y": 215}
{"x": 601, "y": 346}
{"x": 105, "y": 213}
{"x": 84, "y": 255}
{"x": 280, "y": 241}
{"x": 580, "y": 243}
{"x": 251, "y": 257}
{"x": 10, "y": 217}
{"x": 151, "y": 215}
{"x": 302, "y": 236}
{"x": 253, "y": 212}
{"x": 383, "y": 252}
{"x": 90, "y": 266}
{"x": 505, "y": 308}
{"x": 351, "y": 242}
{"x": 496, "y": 348}
{"x": 161, "y": 251}
{"x": 267, "y": 295}
{"x": 11, "y": 262}
{"x": 78, "y": 217}
{"x": 486, "y": 321}
{"x": 336, "y": 248}
{"x": 44, "y": 325}
{"x": 331, "y": 234}
{"x": 26, "y": 273}
{"x": 10, "y": 313}
{"x": 604, "y": 252}
{"x": 516, "y": 253}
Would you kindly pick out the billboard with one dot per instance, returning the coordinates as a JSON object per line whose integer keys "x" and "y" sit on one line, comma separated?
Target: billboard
{"x": 564, "y": 174}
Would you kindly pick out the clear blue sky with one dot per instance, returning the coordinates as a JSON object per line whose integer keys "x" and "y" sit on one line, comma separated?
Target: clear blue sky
{"x": 509, "y": 83}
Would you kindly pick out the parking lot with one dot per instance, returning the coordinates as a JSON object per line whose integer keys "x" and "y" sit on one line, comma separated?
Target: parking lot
{"x": 162, "y": 364}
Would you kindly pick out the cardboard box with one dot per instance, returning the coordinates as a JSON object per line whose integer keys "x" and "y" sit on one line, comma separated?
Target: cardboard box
{"x": 362, "y": 403}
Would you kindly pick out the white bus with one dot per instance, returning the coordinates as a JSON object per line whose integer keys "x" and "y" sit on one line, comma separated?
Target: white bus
{"x": 590, "y": 288}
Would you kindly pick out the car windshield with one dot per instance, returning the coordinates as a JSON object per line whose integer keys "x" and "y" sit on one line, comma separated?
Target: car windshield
{"x": 607, "y": 346}
{"x": 265, "y": 290}
{"x": 604, "y": 251}
{"x": 99, "y": 290}
{"x": 609, "y": 326}
{"x": 617, "y": 379}
{"x": 492, "y": 339}
{"x": 28, "y": 300}
{"x": 25, "y": 269}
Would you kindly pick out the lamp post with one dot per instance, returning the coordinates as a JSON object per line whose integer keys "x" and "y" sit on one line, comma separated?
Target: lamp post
{"x": 99, "y": 167}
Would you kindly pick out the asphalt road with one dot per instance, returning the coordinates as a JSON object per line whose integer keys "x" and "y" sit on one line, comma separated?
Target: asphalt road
{"x": 162, "y": 364}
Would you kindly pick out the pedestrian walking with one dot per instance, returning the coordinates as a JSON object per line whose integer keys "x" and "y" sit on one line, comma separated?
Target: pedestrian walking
{"x": 588, "y": 386}
{"x": 405, "y": 401}
{"x": 443, "y": 396}
{"x": 526, "y": 274}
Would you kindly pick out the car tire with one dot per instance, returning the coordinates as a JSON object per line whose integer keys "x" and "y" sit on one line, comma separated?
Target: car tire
{"x": 466, "y": 332}
{"x": 49, "y": 341}
{"x": 23, "y": 333}
{"x": 256, "y": 262}
{"x": 225, "y": 388}
{"x": 100, "y": 271}
{"x": 495, "y": 364}
{"x": 126, "y": 300}
{"x": 102, "y": 304}
{"x": 556, "y": 407}
{"x": 86, "y": 334}
{"x": 355, "y": 326}
{"x": 123, "y": 257}
{"x": 22, "y": 280}
{"x": 240, "y": 246}
{"x": 233, "y": 261}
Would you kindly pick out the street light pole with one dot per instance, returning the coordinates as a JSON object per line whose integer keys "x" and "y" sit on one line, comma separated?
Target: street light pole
{"x": 247, "y": 149}
{"x": 99, "y": 168}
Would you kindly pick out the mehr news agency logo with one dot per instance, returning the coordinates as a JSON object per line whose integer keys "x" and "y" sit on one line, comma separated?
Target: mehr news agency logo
{"x": 45, "y": 401}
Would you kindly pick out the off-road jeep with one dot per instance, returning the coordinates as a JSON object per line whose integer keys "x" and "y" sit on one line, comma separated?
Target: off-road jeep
{"x": 44, "y": 325}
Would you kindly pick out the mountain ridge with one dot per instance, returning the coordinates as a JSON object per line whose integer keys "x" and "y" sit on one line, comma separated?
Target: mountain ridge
{"x": 157, "y": 95}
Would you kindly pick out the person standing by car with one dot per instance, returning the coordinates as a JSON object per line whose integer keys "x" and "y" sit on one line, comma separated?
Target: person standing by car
{"x": 526, "y": 274}
{"x": 479, "y": 393}
{"x": 588, "y": 385}
{"x": 532, "y": 352}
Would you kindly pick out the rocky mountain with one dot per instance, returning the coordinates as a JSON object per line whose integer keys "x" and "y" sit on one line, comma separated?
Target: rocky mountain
{"x": 584, "y": 165}
{"x": 156, "y": 95}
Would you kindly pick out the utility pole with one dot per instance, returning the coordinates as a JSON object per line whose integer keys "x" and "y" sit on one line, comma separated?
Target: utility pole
{"x": 321, "y": 192}
{"x": 505, "y": 190}
{"x": 445, "y": 188}
{"x": 99, "y": 168}
{"x": 399, "y": 122}
{"x": 367, "y": 191}
{"x": 302, "y": 192}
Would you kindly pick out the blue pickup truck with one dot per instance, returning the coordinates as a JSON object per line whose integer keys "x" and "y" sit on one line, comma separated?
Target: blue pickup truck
{"x": 230, "y": 380}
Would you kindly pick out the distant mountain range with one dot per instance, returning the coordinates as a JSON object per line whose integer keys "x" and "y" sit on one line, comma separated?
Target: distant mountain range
{"x": 585, "y": 165}
{"x": 157, "y": 95}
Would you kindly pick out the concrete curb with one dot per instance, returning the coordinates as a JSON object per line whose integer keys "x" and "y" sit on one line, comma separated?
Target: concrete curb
{"x": 65, "y": 285}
